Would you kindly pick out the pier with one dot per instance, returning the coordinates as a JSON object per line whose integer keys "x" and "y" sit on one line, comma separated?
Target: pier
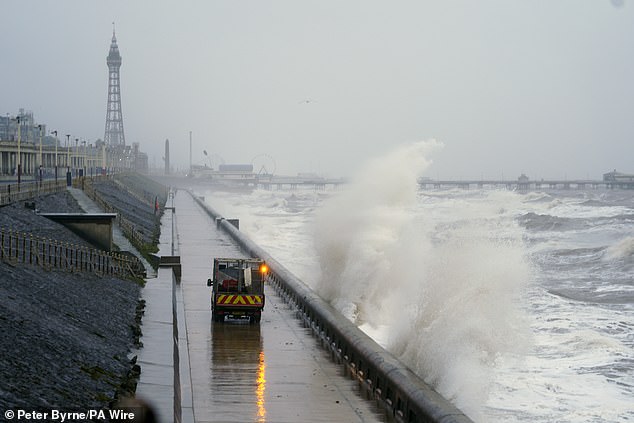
{"x": 294, "y": 182}
{"x": 525, "y": 185}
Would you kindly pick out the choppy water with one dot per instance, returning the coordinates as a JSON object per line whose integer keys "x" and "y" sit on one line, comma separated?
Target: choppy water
{"x": 516, "y": 306}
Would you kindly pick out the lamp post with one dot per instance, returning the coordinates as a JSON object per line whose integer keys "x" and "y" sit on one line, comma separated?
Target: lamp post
{"x": 56, "y": 142}
{"x": 67, "y": 153}
{"x": 83, "y": 159}
{"x": 76, "y": 164}
{"x": 19, "y": 160}
{"x": 40, "y": 159}
{"x": 68, "y": 174}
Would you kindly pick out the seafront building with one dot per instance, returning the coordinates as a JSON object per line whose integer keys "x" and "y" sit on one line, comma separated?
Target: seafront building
{"x": 29, "y": 145}
{"x": 29, "y": 151}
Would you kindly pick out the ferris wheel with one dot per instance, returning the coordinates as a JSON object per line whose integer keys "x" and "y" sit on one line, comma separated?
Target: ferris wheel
{"x": 264, "y": 165}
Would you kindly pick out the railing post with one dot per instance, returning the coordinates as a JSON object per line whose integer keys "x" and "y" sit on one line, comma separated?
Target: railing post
{"x": 32, "y": 250}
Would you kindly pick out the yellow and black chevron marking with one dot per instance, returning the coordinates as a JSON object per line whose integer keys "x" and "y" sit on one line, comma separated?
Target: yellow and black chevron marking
{"x": 239, "y": 300}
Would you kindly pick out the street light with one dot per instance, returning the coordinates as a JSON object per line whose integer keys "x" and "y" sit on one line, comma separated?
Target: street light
{"x": 40, "y": 159}
{"x": 90, "y": 159}
{"x": 68, "y": 174}
{"x": 76, "y": 164}
{"x": 19, "y": 161}
{"x": 83, "y": 159}
{"x": 67, "y": 152}
{"x": 56, "y": 142}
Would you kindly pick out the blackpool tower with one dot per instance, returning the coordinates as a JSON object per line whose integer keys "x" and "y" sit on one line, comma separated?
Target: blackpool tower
{"x": 114, "y": 117}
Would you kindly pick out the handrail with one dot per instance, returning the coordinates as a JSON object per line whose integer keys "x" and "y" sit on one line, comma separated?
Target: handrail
{"x": 11, "y": 193}
{"x": 128, "y": 228}
{"x": 25, "y": 248}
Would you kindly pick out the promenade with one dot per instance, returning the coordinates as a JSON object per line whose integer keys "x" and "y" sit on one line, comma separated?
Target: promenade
{"x": 274, "y": 371}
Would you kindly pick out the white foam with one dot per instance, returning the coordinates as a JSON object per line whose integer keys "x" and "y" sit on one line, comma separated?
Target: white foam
{"x": 622, "y": 249}
{"x": 436, "y": 277}
{"x": 449, "y": 298}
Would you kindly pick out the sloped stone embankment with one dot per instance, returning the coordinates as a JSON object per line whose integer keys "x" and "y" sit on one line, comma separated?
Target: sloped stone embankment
{"x": 65, "y": 338}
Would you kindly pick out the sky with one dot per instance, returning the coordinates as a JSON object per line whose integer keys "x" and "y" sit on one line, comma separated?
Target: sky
{"x": 541, "y": 87}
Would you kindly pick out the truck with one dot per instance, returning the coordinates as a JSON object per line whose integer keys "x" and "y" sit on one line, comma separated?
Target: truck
{"x": 237, "y": 288}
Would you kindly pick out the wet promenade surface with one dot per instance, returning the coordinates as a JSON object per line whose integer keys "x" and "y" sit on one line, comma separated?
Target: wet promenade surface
{"x": 272, "y": 372}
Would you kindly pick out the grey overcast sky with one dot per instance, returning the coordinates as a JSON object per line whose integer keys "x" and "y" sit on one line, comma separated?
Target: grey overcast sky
{"x": 544, "y": 87}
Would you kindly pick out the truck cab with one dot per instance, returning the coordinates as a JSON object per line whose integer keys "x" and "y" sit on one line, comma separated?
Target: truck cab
{"x": 237, "y": 288}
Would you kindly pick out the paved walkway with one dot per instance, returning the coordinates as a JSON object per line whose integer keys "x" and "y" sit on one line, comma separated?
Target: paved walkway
{"x": 275, "y": 371}
{"x": 156, "y": 357}
{"x": 119, "y": 239}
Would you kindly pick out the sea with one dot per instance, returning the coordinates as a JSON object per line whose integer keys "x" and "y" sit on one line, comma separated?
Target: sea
{"x": 516, "y": 306}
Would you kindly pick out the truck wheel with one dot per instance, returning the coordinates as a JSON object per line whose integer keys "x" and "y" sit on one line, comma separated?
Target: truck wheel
{"x": 219, "y": 318}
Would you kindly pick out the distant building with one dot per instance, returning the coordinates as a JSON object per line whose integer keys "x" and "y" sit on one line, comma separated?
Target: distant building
{"x": 615, "y": 176}
{"x": 236, "y": 168}
{"x": 29, "y": 130}
{"x": 140, "y": 159}
{"x": 523, "y": 179}
{"x": 231, "y": 173}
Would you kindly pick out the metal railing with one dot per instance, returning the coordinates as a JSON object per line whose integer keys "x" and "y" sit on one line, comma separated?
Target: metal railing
{"x": 11, "y": 193}
{"x": 23, "y": 248}
{"x": 127, "y": 227}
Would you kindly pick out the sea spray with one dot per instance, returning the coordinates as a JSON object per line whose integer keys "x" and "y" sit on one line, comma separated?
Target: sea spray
{"x": 446, "y": 292}
{"x": 566, "y": 375}
{"x": 467, "y": 314}
{"x": 623, "y": 249}
{"x": 358, "y": 230}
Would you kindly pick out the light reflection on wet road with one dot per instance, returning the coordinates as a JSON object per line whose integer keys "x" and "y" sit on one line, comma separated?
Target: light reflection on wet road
{"x": 272, "y": 372}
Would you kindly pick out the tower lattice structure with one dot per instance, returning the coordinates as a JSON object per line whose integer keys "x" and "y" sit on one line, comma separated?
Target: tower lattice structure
{"x": 114, "y": 117}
